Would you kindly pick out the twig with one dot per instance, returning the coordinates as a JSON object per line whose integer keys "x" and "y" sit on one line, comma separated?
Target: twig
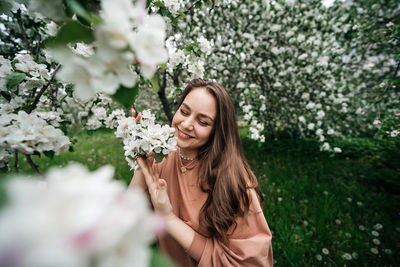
{"x": 187, "y": 10}
{"x": 37, "y": 98}
{"x": 21, "y": 27}
{"x": 195, "y": 3}
{"x": 53, "y": 97}
{"x": 34, "y": 167}
{"x": 16, "y": 161}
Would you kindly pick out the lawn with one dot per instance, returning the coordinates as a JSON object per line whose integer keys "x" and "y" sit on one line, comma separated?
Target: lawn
{"x": 322, "y": 210}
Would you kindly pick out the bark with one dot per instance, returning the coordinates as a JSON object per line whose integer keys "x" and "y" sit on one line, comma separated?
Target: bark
{"x": 33, "y": 165}
{"x": 16, "y": 161}
{"x": 163, "y": 98}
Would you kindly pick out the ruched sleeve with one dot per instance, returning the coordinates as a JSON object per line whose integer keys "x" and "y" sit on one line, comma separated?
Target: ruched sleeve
{"x": 249, "y": 244}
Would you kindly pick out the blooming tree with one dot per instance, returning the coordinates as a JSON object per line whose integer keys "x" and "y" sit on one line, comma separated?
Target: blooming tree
{"x": 111, "y": 52}
{"x": 298, "y": 68}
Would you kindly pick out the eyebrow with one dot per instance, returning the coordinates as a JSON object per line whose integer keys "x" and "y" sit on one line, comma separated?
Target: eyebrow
{"x": 201, "y": 114}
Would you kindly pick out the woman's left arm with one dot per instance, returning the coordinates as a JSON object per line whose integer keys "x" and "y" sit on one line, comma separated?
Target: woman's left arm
{"x": 179, "y": 230}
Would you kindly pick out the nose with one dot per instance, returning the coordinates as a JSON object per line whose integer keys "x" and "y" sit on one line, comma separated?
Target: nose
{"x": 187, "y": 123}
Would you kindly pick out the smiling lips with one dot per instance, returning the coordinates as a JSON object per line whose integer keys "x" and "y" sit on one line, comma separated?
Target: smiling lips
{"x": 184, "y": 136}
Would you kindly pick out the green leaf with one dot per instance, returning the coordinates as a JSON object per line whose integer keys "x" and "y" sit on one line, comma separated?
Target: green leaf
{"x": 78, "y": 9}
{"x": 71, "y": 32}
{"x": 182, "y": 14}
{"x": 163, "y": 67}
{"x": 49, "y": 154}
{"x": 14, "y": 79}
{"x": 164, "y": 12}
{"x": 5, "y": 7}
{"x": 159, "y": 4}
{"x": 155, "y": 84}
{"x": 157, "y": 260}
{"x": 126, "y": 96}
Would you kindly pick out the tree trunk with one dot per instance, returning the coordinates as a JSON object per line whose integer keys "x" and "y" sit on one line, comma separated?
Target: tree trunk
{"x": 165, "y": 104}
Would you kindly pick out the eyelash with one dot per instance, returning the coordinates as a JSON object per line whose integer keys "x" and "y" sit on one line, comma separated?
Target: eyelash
{"x": 201, "y": 122}
{"x": 184, "y": 112}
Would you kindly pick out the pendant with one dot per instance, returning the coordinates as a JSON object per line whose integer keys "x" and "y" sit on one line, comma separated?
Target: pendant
{"x": 183, "y": 169}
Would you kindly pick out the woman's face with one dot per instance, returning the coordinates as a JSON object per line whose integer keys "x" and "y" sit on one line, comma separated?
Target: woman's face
{"x": 194, "y": 120}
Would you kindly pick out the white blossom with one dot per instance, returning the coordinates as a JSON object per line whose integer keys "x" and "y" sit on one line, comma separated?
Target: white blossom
{"x": 145, "y": 136}
{"x": 325, "y": 146}
{"x": 337, "y": 150}
{"x": 148, "y": 44}
{"x": 204, "y": 45}
{"x": 197, "y": 69}
{"x": 51, "y": 28}
{"x": 28, "y": 133}
{"x": 73, "y": 218}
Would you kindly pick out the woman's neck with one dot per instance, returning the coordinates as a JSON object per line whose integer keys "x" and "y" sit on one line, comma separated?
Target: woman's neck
{"x": 187, "y": 153}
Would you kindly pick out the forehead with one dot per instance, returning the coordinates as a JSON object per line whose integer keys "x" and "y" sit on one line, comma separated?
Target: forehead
{"x": 201, "y": 101}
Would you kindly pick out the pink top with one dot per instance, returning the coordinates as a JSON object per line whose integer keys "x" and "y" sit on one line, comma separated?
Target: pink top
{"x": 250, "y": 243}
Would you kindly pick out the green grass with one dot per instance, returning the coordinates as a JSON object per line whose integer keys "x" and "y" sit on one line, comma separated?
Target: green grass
{"x": 93, "y": 149}
{"x": 312, "y": 201}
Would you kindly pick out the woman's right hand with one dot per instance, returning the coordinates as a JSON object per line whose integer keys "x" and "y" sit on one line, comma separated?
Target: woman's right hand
{"x": 138, "y": 117}
{"x": 138, "y": 179}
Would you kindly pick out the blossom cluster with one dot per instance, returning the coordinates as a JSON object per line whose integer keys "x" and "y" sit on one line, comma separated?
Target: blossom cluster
{"x": 173, "y": 5}
{"x": 145, "y": 136}
{"x": 76, "y": 218}
{"x": 192, "y": 62}
{"x": 127, "y": 35}
{"x": 28, "y": 133}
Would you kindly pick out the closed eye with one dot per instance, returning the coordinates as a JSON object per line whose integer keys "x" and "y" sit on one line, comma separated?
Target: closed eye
{"x": 184, "y": 112}
{"x": 204, "y": 123}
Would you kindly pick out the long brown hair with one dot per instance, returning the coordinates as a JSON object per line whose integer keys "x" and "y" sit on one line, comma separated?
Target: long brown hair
{"x": 223, "y": 172}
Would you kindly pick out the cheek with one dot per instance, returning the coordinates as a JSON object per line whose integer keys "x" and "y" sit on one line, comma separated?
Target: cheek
{"x": 175, "y": 120}
{"x": 205, "y": 133}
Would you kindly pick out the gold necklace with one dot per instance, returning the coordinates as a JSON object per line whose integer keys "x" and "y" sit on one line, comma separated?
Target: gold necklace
{"x": 183, "y": 167}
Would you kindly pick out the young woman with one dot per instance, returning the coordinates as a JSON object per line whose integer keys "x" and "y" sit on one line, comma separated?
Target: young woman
{"x": 208, "y": 195}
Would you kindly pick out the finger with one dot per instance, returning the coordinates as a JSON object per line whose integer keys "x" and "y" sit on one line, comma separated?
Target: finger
{"x": 162, "y": 183}
{"x": 139, "y": 116}
{"x": 150, "y": 159}
{"x": 150, "y": 164}
{"x": 148, "y": 177}
{"x": 133, "y": 111}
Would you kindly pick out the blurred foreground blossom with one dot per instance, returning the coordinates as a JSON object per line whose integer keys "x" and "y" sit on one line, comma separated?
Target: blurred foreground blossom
{"x": 127, "y": 36}
{"x": 75, "y": 218}
{"x": 143, "y": 137}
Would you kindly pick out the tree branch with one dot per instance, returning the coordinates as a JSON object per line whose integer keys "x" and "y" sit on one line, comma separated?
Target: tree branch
{"x": 22, "y": 29}
{"x": 37, "y": 98}
{"x": 16, "y": 161}
{"x": 38, "y": 47}
{"x": 191, "y": 7}
{"x": 33, "y": 166}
